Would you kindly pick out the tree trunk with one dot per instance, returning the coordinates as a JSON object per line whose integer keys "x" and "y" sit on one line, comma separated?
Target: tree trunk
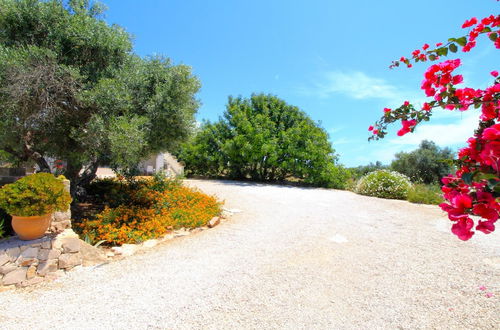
{"x": 80, "y": 180}
{"x": 41, "y": 162}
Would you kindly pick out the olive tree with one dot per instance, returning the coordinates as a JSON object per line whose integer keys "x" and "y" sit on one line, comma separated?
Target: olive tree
{"x": 71, "y": 89}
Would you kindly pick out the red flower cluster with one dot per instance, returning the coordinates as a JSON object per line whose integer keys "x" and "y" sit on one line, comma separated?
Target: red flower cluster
{"x": 407, "y": 126}
{"x": 438, "y": 76}
{"x": 473, "y": 192}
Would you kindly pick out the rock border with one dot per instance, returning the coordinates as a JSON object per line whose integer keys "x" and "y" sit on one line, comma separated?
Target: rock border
{"x": 28, "y": 263}
{"x": 127, "y": 250}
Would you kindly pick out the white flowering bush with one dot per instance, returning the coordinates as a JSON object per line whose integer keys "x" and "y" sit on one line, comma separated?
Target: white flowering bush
{"x": 384, "y": 184}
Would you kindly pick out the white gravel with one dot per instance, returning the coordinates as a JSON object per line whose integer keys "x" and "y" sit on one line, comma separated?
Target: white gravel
{"x": 294, "y": 258}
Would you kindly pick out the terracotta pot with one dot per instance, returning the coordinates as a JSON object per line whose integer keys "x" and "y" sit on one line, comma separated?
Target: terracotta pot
{"x": 28, "y": 228}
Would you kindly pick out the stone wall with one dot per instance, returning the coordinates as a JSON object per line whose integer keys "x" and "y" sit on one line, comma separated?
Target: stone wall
{"x": 24, "y": 263}
{"x": 61, "y": 220}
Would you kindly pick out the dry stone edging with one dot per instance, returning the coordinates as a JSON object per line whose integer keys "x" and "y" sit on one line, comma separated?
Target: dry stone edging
{"x": 25, "y": 263}
{"x": 126, "y": 250}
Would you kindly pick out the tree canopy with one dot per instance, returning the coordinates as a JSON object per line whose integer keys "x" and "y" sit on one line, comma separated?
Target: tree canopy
{"x": 71, "y": 89}
{"x": 263, "y": 138}
{"x": 427, "y": 164}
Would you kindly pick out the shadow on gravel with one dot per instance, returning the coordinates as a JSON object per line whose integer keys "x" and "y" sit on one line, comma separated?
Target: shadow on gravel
{"x": 281, "y": 184}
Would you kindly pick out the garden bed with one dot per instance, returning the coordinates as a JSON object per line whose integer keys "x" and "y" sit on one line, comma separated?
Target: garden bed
{"x": 119, "y": 211}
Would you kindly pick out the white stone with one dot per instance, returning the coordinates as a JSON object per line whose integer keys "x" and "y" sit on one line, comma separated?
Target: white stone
{"x": 167, "y": 237}
{"x": 16, "y": 276}
{"x": 117, "y": 250}
{"x": 181, "y": 232}
{"x": 71, "y": 245}
{"x": 13, "y": 253}
{"x": 60, "y": 239}
{"x": 46, "y": 244}
{"x": 7, "y": 268}
{"x": 128, "y": 249}
{"x": 4, "y": 259}
{"x": 70, "y": 260}
{"x": 30, "y": 253}
{"x": 45, "y": 254}
{"x": 46, "y": 267}
{"x": 31, "y": 272}
{"x": 150, "y": 243}
{"x": 337, "y": 238}
{"x": 213, "y": 222}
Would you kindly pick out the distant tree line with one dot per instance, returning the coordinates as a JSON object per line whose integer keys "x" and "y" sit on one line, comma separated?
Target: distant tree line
{"x": 426, "y": 164}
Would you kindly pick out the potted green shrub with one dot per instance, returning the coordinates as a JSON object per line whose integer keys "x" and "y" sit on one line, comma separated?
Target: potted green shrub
{"x": 31, "y": 201}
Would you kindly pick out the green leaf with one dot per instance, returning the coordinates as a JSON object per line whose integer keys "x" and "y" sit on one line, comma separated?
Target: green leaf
{"x": 486, "y": 29}
{"x": 443, "y": 51}
{"x": 493, "y": 36}
{"x": 493, "y": 184}
{"x": 467, "y": 177}
{"x": 432, "y": 57}
{"x": 461, "y": 41}
{"x": 453, "y": 48}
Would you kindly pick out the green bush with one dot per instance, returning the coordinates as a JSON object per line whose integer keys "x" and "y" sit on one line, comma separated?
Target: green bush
{"x": 384, "y": 184}
{"x": 35, "y": 194}
{"x": 425, "y": 194}
{"x": 263, "y": 138}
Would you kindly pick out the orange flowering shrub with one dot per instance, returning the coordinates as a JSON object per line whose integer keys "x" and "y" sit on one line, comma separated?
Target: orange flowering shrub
{"x": 152, "y": 209}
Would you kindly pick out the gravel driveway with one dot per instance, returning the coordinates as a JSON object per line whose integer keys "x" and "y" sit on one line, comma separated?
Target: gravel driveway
{"x": 294, "y": 258}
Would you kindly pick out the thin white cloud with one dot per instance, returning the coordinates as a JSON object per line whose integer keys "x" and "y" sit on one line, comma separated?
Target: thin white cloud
{"x": 356, "y": 85}
{"x": 457, "y": 131}
{"x": 359, "y": 85}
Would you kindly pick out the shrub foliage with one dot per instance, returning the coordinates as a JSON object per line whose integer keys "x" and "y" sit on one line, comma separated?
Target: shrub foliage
{"x": 36, "y": 194}
{"x": 384, "y": 184}
{"x": 425, "y": 194}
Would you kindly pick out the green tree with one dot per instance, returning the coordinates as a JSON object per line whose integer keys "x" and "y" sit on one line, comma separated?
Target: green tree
{"x": 427, "y": 164}
{"x": 263, "y": 138}
{"x": 71, "y": 89}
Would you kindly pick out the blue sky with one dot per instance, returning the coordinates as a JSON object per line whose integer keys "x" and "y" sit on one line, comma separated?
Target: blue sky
{"x": 328, "y": 57}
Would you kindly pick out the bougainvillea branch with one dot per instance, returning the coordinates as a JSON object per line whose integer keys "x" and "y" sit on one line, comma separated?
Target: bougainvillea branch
{"x": 473, "y": 192}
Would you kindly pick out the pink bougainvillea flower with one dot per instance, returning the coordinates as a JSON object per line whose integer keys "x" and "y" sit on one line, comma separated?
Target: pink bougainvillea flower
{"x": 492, "y": 133}
{"x": 406, "y": 103}
{"x": 370, "y": 128}
{"x": 489, "y": 295}
{"x": 494, "y": 73}
{"x": 462, "y": 228}
{"x": 386, "y": 110}
{"x": 482, "y": 288}
{"x": 426, "y": 107}
{"x": 425, "y": 46}
{"x": 486, "y": 227}
{"x": 469, "y": 23}
{"x": 375, "y": 131}
{"x": 439, "y": 44}
{"x": 407, "y": 126}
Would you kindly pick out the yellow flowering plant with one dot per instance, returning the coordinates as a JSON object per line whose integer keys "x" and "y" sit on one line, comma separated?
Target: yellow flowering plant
{"x": 36, "y": 194}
